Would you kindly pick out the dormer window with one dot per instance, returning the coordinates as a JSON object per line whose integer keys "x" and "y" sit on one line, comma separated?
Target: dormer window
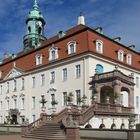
{"x": 71, "y": 47}
{"x": 53, "y": 53}
{"x": 38, "y": 59}
{"x": 99, "y": 46}
{"x": 120, "y": 55}
{"x": 129, "y": 59}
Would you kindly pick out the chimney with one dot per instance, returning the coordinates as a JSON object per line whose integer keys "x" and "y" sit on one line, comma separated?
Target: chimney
{"x": 99, "y": 30}
{"x": 81, "y": 19}
{"x": 6, "y": 55}
{"x": 117, "y": 39}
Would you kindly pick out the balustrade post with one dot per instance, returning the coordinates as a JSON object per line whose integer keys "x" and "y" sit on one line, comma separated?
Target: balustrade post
{"x": 43, "y": 117}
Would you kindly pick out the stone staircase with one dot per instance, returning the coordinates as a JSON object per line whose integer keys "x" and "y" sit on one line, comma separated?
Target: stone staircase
{"x": 48, "y": 131}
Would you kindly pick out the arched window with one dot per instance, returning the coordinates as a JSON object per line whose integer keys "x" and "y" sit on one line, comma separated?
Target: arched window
{"x": 120, "y": 55}
{"x": 129, "y": 59}
{"x": 39, "y": 30}
{"x": 53, "y": 53}
{"x": 71, "y": 47}
{"x": 99, "y": 68}
{"x": 29, "y": 29}
{"x": 99, "y": 46}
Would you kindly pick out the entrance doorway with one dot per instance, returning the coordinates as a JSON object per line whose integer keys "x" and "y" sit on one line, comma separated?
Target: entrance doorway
{"x": 14, "y": 119}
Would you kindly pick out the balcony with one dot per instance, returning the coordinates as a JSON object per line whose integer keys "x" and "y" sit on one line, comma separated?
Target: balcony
{"x": 111, "y": 76}
{"x": 112, "y": 109}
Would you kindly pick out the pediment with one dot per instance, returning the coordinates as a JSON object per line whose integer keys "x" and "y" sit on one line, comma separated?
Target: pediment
{"x": 14, "y": 72}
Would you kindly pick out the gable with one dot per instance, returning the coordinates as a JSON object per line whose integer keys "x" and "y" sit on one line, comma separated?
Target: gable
{"x": 13, "y": 73}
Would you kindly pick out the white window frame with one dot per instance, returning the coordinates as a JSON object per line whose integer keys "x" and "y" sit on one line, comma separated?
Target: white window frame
{"x": 121, "y": 55}
{"x": 53, "y": 53}
{"x": 15, "y": 85}
{"x": 33, "y": 82}
{"x": 71, "y": 47}
{"x": 78, "y": 95}
{"x": 1, "y": 105}
{"x": 8, "y": 88}
{"x": 22, "y": 103}
{"x": 78, "y": 71}
{"x": 64, "y": 74}
{"x": 33, "y": 102}
{"x": 42, "y": 79}
{"x": 137, "y": 82}
{"x": 65, "y": 95}
{"x": 14, "y": 103}
{"x": 129, "y": 59}
{"x": 99, "y": 46}
{"x": 137, "y": 102}
{"x": 38, "y": 59}
{"x": 22, "y": 83}
{"x": 1, "y": 88}
{"x": 52, "y": 76}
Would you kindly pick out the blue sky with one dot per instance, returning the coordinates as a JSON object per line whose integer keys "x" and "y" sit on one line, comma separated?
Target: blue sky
{"x": 117, "y": 17}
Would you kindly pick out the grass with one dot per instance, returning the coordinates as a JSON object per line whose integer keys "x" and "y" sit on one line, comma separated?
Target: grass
{"x": 8, "y": 133}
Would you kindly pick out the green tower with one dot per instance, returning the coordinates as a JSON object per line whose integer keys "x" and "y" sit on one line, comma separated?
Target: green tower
{"x": 35, "y": 28}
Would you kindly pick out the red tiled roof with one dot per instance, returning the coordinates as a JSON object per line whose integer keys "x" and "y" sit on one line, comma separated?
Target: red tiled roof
{"x": 85, "y": 37}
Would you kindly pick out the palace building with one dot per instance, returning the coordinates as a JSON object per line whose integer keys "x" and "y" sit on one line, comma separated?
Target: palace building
{"x": 80, "y": 65}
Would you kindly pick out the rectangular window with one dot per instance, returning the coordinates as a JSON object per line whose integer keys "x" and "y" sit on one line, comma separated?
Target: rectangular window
{"x": 38, "y": 59}
{"x": 0, "y": 89}
{"x": 33, "y": 82}
{"x": 15, "y": 85}
{"x": 52, "y": 98}
{"x": 78, "y": 71}
{"x": 33, "y": 118}
{"x": 0, "y": 105}
{"x": 22, "y": 84}
{"x": 137, "y": 82}
{"x": 42, "y": 79}
{"x": 7, "y": 87}
{"x": 78, "y": 97}
{"x": 22, "y": 103}
{"x": 137, "y": 101}
{"x": 15, "y": 104}
{"x": 64, "y": 77}
{"x": 52, "y": 77}
{"x": 7, "y": 107}
{"x": 64, "y": 98}
{"x": 33, "y": 102}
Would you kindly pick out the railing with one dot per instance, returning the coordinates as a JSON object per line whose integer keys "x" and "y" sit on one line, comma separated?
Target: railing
{"x": 80, "y": 116}
{"x": 112, "y": 74}
{"x": 87, "y": 115}
{"x": 111, "y": 108}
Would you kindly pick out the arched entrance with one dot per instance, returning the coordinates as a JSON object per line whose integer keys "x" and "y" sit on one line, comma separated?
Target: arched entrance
{"x": 14, "y": 114}
{"x": 14, "y": 119}
{"x": 106, "y": 94}
{"x": 124, "y": 96}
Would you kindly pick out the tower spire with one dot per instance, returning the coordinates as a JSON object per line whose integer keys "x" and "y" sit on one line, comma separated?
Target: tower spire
{"x": 35, "y": 6}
